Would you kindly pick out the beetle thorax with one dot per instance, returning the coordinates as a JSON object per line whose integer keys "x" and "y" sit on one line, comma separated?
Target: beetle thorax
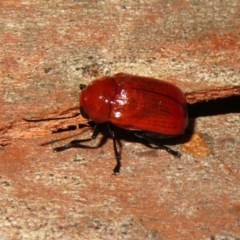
{"x": 95, "y": 100}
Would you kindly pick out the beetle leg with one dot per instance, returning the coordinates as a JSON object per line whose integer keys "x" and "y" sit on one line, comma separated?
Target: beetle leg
{"x": 95, "y": 131}
{"x": 77, "y": 143}
{"x": 152, "y": 142}
{"x": 116, "y": 151}
{"x": 171, "y": 151}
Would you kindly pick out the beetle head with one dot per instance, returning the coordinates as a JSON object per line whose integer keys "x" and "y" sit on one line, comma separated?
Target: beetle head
{"x": 96, "y": 99}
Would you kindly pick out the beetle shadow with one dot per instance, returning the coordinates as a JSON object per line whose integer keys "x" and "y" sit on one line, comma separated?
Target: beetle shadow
{"x": 153, "y": 141}
{"x": 157, "y": 142}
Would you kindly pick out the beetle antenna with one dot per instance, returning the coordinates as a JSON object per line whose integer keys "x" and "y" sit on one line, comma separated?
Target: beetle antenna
{"x": 82, "y": 86}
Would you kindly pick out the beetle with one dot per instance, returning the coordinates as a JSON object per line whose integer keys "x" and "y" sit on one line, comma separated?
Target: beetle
{"x": 148, "y": 107}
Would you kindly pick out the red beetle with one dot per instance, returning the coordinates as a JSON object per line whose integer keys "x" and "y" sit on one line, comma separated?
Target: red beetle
{"x": 148, "y": 107}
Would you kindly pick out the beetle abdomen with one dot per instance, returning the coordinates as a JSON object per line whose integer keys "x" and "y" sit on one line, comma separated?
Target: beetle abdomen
{"x": 148, "y": 104}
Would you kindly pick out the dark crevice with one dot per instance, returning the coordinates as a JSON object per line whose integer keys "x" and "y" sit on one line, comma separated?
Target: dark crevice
{"x": 72, "y": 127}
{"x": 215, "y": 107}
{"x": 68, "y": 128}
